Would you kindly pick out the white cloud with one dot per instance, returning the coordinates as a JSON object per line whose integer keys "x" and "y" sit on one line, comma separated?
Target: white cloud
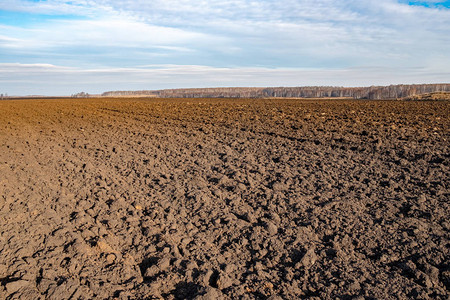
{"x": 59, "y": 7}
{"x": 102, "y": 32}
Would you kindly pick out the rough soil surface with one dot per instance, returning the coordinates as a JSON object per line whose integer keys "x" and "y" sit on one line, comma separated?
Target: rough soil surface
{"x": 430, "y": 96}
{"x": 224, "y": 199}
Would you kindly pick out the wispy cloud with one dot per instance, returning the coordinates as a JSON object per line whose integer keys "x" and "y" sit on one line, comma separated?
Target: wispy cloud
{"x": 100, "y": 32}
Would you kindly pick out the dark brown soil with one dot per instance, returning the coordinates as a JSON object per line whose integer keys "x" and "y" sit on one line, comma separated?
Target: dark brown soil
{"x": 224, "y": 199}
{"x": 441, "y": 96}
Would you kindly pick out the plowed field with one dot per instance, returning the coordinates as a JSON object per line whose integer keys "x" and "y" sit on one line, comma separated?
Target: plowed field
{"x": 224, "y": 199}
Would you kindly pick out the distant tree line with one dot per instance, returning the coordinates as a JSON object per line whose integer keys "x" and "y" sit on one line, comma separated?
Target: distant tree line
{"x": 3, "y": 96}
{"x": 148, "y": 93}
{"x": 81, "y": 95}
{"x": 373, "y": 92}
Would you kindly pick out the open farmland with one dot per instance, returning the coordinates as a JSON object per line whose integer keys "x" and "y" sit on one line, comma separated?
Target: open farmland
{"x": 224, "y": 199}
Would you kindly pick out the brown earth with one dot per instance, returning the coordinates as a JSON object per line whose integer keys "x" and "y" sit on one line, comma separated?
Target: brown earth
{"x": 224, "y": 199}
{"x": 430, "y": 96}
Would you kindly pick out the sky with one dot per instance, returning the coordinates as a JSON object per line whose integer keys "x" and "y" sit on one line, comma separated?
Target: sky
{"x": 58, "y": 47}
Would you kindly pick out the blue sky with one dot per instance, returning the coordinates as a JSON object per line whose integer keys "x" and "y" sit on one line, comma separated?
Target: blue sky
{"x": 435, "y": 4}
{"x": 57, "y": 47}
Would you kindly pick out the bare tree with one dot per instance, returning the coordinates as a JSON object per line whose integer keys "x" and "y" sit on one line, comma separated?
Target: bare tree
{"x": 81, "y": 95}
{"x": 373, "y": 92}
